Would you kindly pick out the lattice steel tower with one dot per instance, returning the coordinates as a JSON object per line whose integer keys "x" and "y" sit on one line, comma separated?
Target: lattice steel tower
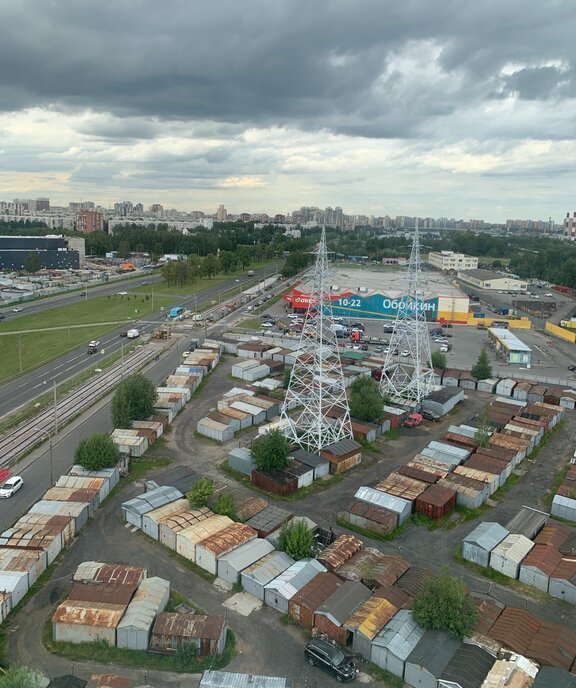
{"x": 317, "y": 383}
{"x": 410, "y": 377}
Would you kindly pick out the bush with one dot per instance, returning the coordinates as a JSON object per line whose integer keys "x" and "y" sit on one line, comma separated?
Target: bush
{"x": 439, "y": 360}
{"x": 445, "y": 605}
{"x": 21, "y": 677}
{"x": 200, "y": 493}
{"x": 366, "y": 402}
{"x": 296, "y": 539}
{"x": 482, "y": 370}
{"x": 225, "y": 506}
{"x": 96, "y": 452}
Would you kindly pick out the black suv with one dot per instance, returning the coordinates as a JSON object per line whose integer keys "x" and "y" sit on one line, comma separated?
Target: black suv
{"x": 92, "y": 350}
{"x": 331, "y": 658}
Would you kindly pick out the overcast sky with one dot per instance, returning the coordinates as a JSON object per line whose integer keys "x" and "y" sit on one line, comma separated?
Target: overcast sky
{"x": 462, "y": 108}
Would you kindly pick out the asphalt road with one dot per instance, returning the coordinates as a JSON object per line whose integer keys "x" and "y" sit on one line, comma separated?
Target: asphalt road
{"x": 35, "y": 468}
{"x": 30, "y": 385}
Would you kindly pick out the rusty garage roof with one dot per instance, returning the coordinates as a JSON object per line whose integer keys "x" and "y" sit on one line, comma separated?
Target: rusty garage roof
{"x": 188, "y": 625}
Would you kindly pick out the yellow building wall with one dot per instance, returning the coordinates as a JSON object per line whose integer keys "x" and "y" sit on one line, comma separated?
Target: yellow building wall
{"x": 560, "y": 332}
{"x": 513, "y": 324}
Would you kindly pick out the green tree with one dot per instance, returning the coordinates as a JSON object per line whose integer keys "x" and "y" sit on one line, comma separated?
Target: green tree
{"x": 482, "y": 369}
{"x": 366, "y": 402}
{"x": 96, "y": 452}
{"x": 287, "y": 376}
{"x": 32, "y": 263}
{"x": 124, "y": 249}
{"x": 270, "y": 451}
{"x": 201, "y": 492}
{"x": 228, "y": 261}
{"x": 134, "y": 399}
{"x": 482, "y": 435}
{"x": 296, "y": 539}
{"x": 187, "y": 656}
{"x": 210, "y": 265}
{"x": 225, "y": 506}
{"x": 20, "y": 677}
{"x": 438, "y": 360}
{"x": 444, "y": 604}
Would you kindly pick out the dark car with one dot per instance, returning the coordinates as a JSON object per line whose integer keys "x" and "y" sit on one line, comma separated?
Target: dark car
{"x": 92, "y": 350}
{"x": 82, "y": 293}
{"x": 124, "y": 334}
{"x": 2, "y": 316}
{"x": 429, "y": 415}
{"x": 358, "y": 326}
{"x": 331, "y": 658}
{"x": 572, "y": 368}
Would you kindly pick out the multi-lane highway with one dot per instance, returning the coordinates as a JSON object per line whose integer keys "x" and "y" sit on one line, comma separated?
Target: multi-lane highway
{"x": 30, "y": 385}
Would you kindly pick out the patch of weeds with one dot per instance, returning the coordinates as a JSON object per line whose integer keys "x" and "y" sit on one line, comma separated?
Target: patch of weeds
{"x": 386, "y": 677}
{"x": 513, "y": 478}
{"x": 558, "y": 480}
{"x": 369, "y": 533}
{"x": 370, "y": 446}
{"x": 237, "y": 587}
{"x": 177, "y": 599}
{"x": 140, "y": 467}
{"x": 392, "y": 434}
{"x": 237, "y": 475}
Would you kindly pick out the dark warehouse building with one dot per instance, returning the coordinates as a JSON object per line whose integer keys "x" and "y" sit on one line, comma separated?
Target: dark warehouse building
{"x": 56, "y": 253}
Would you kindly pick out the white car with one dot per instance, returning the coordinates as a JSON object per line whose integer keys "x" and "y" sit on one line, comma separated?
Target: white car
{"x": 133, "y": 334}
{"x": 548, "y": 294}
{"x": 444, "y": 348}
{"x": 267, "y": 324}
{"x": 18, "y": 309}
{"x": 122, "y": 293}
{"x": 405, "y": 353}
{"x": 94, "y": 342}
{"x": 11, "y": 486}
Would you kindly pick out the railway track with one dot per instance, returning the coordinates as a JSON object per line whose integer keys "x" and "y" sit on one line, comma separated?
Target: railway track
{"x": 22, "y": 438}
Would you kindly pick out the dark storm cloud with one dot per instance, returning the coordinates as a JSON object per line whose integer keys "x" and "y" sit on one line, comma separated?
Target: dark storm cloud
{"x": 337, "y": 65}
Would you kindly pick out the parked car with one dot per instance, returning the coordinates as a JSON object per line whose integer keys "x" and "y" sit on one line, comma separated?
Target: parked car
{"x": 378, "y": 349}
{"x": 331, "y": 658}
{"x": 445, "y": 348}
{"x": 12, "y": 485}
{"x": 358, "y": 326}
{"x": 405, "y": 353}
{"x": 572, "y": 368}
{"x": 413, "y": 420}
{"x": 429, "y": 415}
{"x": 267, "y": 324}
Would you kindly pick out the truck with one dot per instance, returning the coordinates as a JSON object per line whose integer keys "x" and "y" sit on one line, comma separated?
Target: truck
{"x": 413, "y": 420}
{"x": 133, "y": 334}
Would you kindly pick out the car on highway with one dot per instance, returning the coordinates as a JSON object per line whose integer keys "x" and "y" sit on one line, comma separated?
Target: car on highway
{"x": 572, "y": 368}
{"x": 94, "y": 342}
{"x": 12, "y": 485}
{"x": 82, "y": 293}
{"x": 133, "y": 334}
{"x": 124, "y": 334}
{"x": 122, "y": 293}
{"x": 92, "y": 350}
{"x": 2, "y": 316}
{"x": 18, "y": 309}
{"x": 331, "y": 658}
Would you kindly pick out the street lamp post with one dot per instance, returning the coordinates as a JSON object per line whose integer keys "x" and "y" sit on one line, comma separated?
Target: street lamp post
{"x": 50, "y": 435}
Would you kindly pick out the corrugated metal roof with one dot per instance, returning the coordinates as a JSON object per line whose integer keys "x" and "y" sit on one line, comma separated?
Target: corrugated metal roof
{"x": 70, "y": 494}
{"x": 371, "y": 617}
{"x": 554, "y": 534}
{"x": 528, "y": 522}
{"x": 342, "y": 447}
{"x": 269, "y": 518}
{"x": 469, "y": 666}
{"x": 290, "y": 581}
{"x": 553, "y": 677}
{"x": 544, "y": 558}
{"x": 515, "y": 628}
{"x": 514, "y": 547}
{"x": 566, "y": 570}
{"x": 370, "y": 511}
{"x": 487, "y": 535}
{"x": 118, "y": 574}
{"x": 152, "y": 500}
{"x": 338, "y": 553}
{"x": 183, "y": 519}
{"x": 77, "y": 482}
{"x": 107, "y": 593}
{"x": 188, "y": 625}
{"x": 228, "y": 538}
{"x": 374, "y": 567}
{"x": 383, "y": 499}
{"x": 50, "y": 508}
{"x": 517, "y": 672}
{"x": 19, "y": 559}
{"x": 342, "y": 604}
{"x": 554, "y": 644}
{"x": 414, "y": 580}
{"x": 88, "y": 614}
{"x": 248, "y": 553}
{"x": 400, "y": 635}
{"x": 402, "y": 486}
{"x": 318, "y": 590}
{"x": 168, "y": 510}
{"x": 225, "y": 679}
{"x": 433, "y": 651}
{"x": 200, "y": 531}
{"x": 269, "y": 567}
{"x": 145, "y": 604}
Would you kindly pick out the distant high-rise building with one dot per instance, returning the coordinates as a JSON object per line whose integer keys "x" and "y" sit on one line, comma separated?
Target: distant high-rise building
{"x": 156, "y": 208}
{"x": 88, "y": 221}
{"x": 221, "y": 214}
{"x": 570, "y": 226}
{"x": 42, "y": 204}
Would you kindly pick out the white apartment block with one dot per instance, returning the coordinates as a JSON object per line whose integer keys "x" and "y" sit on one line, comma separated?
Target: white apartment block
{"x": 448, "y": 260}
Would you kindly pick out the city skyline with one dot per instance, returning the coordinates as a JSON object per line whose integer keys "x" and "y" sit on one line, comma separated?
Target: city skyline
{"x": 428, "y": 108}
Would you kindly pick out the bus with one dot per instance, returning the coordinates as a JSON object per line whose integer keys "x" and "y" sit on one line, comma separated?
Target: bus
{"x": 176, "y": 312}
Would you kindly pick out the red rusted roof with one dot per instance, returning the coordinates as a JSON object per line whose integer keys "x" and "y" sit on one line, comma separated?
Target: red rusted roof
{"x": 553, "y": 534}
{"x": 544, "y": 558}
{"x": 109, "y": 681}
{"x": 373, "y": 568}
{"x": 228, "y": 538}
{"x": 515, "y": 628}
{"x": 489, "y": 612}
{"x": 188, "y": 625}
{"x": 340, "y": 551}
{"x": 553, "y": 645}
{"x": 318, "y": 590}
{"x": 95, "y": 614}
{"x": 107, "y": 593}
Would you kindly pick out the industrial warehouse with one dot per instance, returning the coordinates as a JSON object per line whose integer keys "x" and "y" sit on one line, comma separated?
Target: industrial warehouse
{"x": 378, "y": 294}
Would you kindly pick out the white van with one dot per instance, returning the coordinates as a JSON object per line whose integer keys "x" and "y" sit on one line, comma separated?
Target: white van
{"x": 133, "y": 334}
{"x": 198, "y": 317}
